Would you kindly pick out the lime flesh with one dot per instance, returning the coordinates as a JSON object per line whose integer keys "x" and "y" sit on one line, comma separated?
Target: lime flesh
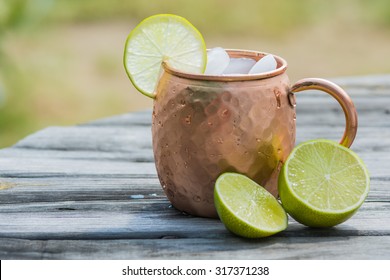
{"x": 322, "y": 183}
{"x": 159, "y": 38}
{"x": 246, "y": 208}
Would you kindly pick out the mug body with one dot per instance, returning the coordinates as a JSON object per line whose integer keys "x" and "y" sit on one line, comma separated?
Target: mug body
{"x": 204, "y": 126}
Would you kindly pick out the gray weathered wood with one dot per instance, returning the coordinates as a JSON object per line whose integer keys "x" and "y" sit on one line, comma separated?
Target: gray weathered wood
{"x": 91, "y": 191}
{"x": 227, "y": 247}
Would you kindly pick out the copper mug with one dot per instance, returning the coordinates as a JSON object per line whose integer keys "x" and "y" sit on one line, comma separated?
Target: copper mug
{"x": 206, "y": 125}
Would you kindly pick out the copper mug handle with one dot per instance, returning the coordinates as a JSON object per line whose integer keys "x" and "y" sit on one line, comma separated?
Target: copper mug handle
{"x": 351, "y": 121}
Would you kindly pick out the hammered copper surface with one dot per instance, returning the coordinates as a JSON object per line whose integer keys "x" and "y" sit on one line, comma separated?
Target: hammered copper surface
{"x": 203, "y": 128}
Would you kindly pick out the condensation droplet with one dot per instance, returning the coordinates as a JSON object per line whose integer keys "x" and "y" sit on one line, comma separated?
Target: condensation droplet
{"x": 277, "y": 96}
{"x": 188, "y": 119}
{"x": 225, "y": 113}
{"x": 280, "y": 164}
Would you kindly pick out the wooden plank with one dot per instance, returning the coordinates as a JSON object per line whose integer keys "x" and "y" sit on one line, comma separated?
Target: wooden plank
{"x": 365, "y": 85}
{"x": 132, "y": 155}
{"x": 99, "y": 140}
{"x": 372, "y": 145}
{"x": 126, "y": 220}
{"x": 140, "y": 118}
{"x": 35, "y": 167}
{"x": 118, "y": 141}
{"x": 123, "y": 139}
{"x": 25, "y": 192}
{"x": 113, "y": 139}
{"x": 116, "y": 187}
{"x": 227, "y": 247}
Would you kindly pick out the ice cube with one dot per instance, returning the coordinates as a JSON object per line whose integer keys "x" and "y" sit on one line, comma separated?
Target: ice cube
{"x": 240, "y": 65}
{"x": 217, "y": 60}
{"x": 265, "y": 64}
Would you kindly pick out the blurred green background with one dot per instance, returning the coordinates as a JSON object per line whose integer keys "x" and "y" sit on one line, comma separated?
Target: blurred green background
{"x": 61, "y": 60}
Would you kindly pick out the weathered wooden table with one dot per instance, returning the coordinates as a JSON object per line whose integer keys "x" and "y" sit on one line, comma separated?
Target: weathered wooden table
{"x": 91, "y": 192}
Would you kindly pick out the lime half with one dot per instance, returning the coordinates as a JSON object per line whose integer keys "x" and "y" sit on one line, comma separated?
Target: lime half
{"x": 159, "y": 38}
{"x": 246, "y": 208}
{"x": 322, "y": 183}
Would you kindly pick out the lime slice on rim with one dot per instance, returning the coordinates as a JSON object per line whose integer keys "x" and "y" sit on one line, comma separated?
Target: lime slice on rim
{"x": 246, "y": 208}
{"x": 323, "y": 183}
{"x": 159, "y": 38}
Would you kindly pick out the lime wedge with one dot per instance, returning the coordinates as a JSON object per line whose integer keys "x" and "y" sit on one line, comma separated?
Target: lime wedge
{"x": 159, "y": 38}
{"x": 246, "y": 208}
{"x": 322, "y": 183}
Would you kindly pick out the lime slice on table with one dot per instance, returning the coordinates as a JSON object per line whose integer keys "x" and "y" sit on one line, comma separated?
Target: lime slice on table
{"x": 159, "y": 38}
{"x": 322, "y": 183}
{"x": 246, "y": 208}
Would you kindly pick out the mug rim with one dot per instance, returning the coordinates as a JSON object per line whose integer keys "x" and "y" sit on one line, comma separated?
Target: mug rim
{"x": 281, "y": 68}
